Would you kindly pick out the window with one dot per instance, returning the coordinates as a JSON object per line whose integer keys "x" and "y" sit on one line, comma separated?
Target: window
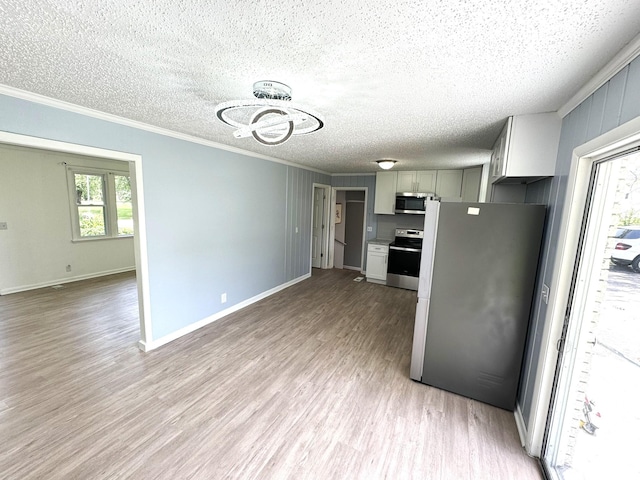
{"x": 101, "y": 205}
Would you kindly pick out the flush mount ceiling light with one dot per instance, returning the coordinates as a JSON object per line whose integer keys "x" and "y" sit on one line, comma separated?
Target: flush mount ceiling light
{"x": 386, "y": 164}
{"x": 270, "y": 118}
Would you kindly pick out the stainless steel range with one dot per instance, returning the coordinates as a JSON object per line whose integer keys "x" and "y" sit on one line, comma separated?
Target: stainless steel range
{"x": 403, "y": 269}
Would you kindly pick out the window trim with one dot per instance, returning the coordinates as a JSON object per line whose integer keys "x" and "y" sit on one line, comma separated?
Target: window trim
{"x": 109, "y": 199}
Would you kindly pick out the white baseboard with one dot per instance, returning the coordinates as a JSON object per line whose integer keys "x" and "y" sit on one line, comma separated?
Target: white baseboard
{"x": 60, "y": 281}
{"x": 153, "y": 344}
{"x": 348, "y": 267}
{"x": 522, "y": 429}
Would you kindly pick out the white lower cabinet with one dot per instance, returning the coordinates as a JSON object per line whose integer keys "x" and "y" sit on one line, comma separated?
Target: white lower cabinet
{"x": 377, "y": 257}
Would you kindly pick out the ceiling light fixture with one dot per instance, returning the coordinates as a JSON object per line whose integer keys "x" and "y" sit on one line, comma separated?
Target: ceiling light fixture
{"x": 271, "y": 118}
{"x": 386, "y": 164}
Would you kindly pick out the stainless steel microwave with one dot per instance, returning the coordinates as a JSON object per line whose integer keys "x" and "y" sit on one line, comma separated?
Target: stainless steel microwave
{"x": 412, "y": 202}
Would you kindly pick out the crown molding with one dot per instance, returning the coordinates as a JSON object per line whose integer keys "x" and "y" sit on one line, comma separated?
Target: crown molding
{"x": 89, "y": 112}
{"x": 623, "y": 58}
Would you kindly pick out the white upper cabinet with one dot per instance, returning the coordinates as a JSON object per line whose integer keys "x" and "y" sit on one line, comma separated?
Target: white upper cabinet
{"x": 449, "y": 185}
{"x": 471, "y": 179}
{"x": 526, "y": 149}
{"x": 406, "y": 182}
{"x": 417, "y": 182}
{"x": 426, "y": 181}
{"x": 385, "y": 201}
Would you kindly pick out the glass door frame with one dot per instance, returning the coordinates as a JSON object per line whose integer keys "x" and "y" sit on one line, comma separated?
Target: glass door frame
{"x": 572, "y": 344}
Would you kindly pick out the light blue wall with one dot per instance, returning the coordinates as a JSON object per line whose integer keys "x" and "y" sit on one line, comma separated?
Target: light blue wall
{"x": 613, "y": 104}
{"x": 216, "y": 221}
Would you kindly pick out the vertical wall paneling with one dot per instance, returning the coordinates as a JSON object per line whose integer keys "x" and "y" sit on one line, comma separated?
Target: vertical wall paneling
{"x": 616, "y": 102}
{"x": 299, "y": 203}
{"x": 613, "y": 105}
{"x": 631, "y": 106}
{"x": 581, "y": 115}
{"x": 598, "y": 100}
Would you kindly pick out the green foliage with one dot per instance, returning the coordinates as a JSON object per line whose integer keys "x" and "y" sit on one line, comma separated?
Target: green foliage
{"x": 123, "y": 188}
{"x": 91, "y": 225}
{"x": 89, "y": 188}
{"x": 630, "y": 217}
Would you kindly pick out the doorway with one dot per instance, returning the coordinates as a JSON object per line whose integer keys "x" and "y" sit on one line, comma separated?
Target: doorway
{"x": 594, "y": 425}
{"x": 140, "y": 251}
{"x": 349, "y": 221}
{"x": 348, "y": 228}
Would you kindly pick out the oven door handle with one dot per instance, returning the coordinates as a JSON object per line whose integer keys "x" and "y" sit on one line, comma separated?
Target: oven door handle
{"x": 405, "y": 249}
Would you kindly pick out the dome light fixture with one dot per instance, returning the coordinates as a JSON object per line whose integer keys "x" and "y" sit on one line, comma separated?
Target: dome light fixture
{"x": 386, "y": 164}
{"x": 270, "y": 118}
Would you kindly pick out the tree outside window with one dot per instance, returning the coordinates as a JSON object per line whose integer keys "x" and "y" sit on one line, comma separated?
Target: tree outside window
{"x": 102, "y": 204}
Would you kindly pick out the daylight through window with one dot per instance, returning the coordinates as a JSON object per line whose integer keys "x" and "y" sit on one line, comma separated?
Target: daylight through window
{"x": 101, "y": 203}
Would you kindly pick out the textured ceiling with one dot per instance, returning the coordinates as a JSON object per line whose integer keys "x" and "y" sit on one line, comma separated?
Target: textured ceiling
{"x": 426, "y": 83}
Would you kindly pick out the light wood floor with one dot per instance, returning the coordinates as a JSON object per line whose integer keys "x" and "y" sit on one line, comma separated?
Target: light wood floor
{"x": 308, "y": 383}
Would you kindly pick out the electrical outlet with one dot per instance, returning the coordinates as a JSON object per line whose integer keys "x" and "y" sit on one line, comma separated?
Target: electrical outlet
{"x": 68, "y": 268}
{"x": 223, "y": 298}
{"x": 3, "y": 226}
{"x": 369, "y": 229}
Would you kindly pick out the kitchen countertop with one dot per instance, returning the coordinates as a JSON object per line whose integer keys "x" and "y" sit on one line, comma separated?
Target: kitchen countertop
{"x": 380, "y": 241}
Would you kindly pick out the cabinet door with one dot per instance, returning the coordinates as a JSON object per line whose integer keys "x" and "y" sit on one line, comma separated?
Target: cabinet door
{"x": 426, "y": 181}
{"x": 385, "y": 199}
{"x": 449, "y": 184}
{"x": 377, "y": 265}
{"x": 471, "y": 184}
{"x": 406, "y": 182}
{"x": 498, "y": 155}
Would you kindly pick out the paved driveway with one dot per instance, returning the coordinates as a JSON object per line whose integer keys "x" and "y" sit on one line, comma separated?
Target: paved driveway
{"x": 619, "y": 328}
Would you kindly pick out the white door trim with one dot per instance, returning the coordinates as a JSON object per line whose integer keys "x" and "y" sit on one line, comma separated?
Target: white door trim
{"x": 140, "y": 237}
{"x": 332, "y": 232}
{"x": 328, "y": 220}
{"x": 611, "y": 143}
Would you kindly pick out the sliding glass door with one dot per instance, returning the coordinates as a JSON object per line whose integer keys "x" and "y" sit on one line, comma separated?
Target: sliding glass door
{"x": 594, "y": 427}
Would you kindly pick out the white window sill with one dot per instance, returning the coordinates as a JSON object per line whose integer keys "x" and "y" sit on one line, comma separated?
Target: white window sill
{"x": 96, "y": 239}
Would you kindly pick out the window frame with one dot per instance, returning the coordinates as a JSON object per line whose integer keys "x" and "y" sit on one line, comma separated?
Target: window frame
{"x": 109, "y": 199}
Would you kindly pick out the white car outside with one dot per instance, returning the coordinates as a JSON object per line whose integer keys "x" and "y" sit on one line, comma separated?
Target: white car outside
{"x": 627, "y": 247}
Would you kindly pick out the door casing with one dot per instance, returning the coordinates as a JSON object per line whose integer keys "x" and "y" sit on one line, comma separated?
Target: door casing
{"x": 332, "y": 232}
{"x": 326, "y": 220}
{"x": 140, "y": 237}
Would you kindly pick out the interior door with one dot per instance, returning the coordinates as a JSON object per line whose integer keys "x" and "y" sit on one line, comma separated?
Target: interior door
{"x": 317, "y": 233}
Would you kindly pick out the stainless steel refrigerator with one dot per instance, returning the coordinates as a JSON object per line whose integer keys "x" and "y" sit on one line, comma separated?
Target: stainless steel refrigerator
{"x": 477, "y": 275}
